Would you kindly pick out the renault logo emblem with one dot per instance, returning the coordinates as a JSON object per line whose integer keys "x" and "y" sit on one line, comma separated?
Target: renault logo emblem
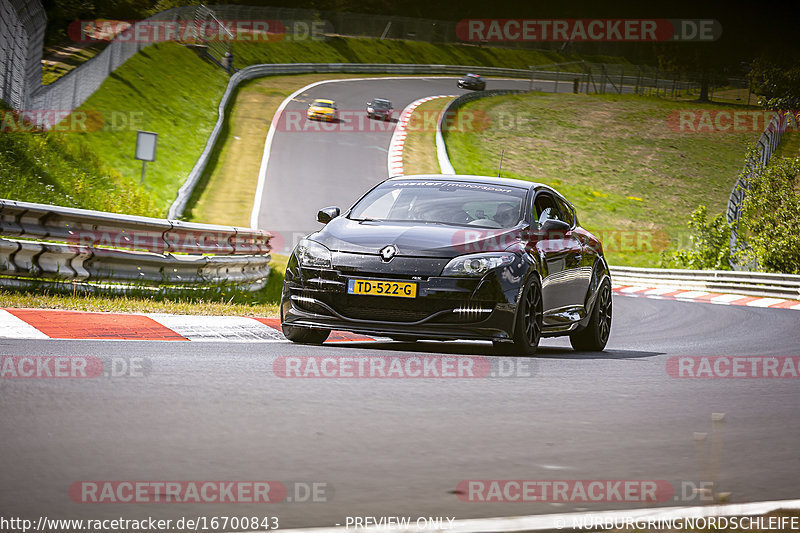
{"x": 388, "y": 252}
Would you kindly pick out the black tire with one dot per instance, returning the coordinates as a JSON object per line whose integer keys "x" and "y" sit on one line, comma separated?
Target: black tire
{"x": 594, "y": 337}
{"x": 528, "y": 328}
{"x": 305, "y": 335}
{"x": 302, "y": 335}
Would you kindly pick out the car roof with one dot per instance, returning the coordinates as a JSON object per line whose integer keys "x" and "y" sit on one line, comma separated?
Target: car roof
{"x": 508, "y": 182}
{"x": 323, "y": 101}
{"x": 474, "y": 75}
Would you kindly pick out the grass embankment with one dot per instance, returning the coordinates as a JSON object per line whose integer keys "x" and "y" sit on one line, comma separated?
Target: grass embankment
{"x": 419, "y": 150}
{"x": 167, "y": 89}
{"x": 633, "y": 179}
{"x": 364, "y": 50}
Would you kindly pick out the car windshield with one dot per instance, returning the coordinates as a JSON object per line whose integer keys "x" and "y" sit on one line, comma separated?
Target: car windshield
{"x": 478, "y": 204}
{"x": 322, "y": 104}
{"x": 381, "y": 104}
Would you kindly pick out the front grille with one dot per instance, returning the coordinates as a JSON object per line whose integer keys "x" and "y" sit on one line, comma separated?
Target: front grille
{"x": 385, "y": 309}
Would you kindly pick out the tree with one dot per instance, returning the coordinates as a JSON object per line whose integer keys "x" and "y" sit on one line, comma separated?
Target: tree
{"x": 776, "y": 79}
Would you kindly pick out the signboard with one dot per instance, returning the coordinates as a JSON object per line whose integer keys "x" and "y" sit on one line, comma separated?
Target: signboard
{"x": 146, "y": 145}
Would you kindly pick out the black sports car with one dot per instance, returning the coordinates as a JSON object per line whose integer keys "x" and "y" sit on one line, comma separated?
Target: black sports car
{"x": 379, "y": 108}
{"x": 472, "y": 81}
{"x": 451, "y": 257}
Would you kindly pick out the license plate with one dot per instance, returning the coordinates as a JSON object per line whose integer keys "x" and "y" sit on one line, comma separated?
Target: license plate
{"x": 373, "y": 287}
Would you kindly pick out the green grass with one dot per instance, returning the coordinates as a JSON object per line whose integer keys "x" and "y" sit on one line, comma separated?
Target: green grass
{"x": 167, "y": 89}
{"x": 419, "y": 149}
{"x": 60, "y": 60}
{"x": 364, "y": 50}
{"x": 633, "y": 180}
{"x": 51, "y": 168}
{"x": 789, "y": 146}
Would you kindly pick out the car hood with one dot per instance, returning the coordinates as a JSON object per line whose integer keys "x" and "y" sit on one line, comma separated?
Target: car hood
{"x": 325, "y": 110}
{"x": 419, "y": 240}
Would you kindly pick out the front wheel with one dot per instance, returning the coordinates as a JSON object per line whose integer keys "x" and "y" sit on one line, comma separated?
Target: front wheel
{"x": 594, "y": 337}
{"x": 528, "y": 330}
{"x": 303, "y": 335}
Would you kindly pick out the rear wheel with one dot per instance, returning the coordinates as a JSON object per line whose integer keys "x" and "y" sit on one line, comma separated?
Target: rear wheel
{"x": 594, "y": 336}
{"x": 528, "y": 330}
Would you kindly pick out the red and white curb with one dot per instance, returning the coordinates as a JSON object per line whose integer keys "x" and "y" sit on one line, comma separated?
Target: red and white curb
{"x": 400, "y": 133}
{"x": 57, "y": 324}
{"x": 705, "y": 297}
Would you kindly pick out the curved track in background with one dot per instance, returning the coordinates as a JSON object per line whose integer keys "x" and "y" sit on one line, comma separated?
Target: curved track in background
{"x": 310, "y": 169}
{"x": 216, "y": 411}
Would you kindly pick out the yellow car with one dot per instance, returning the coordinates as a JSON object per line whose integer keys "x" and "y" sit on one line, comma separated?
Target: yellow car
{"x": 322, "y": 110}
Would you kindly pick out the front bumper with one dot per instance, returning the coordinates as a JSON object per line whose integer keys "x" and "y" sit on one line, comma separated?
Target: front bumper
{"x": 320, "y": 116}
{"x": 445, "y": 307}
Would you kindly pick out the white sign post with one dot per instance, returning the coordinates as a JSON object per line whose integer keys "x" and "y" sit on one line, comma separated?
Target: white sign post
{"x": 146, "y": 148}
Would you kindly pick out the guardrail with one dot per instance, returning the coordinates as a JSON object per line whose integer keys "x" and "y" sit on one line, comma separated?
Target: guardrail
{"x": 43, "y": 242}
{"x": 759, "y": 284}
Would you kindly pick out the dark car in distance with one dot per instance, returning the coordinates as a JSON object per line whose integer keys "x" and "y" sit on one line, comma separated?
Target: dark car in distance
{"x": 472, "y": 81}
{"x": 379, "y": 108}
{"x": 451, "y": 257}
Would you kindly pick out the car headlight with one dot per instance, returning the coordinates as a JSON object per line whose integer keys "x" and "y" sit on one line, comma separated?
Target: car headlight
{"x": 313, "y": 254}
{"x": 476, "y": 264}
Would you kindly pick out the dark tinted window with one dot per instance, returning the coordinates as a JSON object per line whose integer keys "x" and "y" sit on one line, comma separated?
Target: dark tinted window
{"x": 566, "y": 212}
{"x": 546, "y": 207}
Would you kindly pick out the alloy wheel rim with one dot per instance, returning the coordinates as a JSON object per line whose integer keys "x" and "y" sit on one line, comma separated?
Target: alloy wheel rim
{"x": 533, "y": 315}
{"x": 604, "y": 311}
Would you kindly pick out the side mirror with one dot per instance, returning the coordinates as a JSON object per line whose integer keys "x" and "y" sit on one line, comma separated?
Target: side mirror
{"x": 327, "y": 214}
{"x": 369, "y": 103}
{"x": 553, "y": 225}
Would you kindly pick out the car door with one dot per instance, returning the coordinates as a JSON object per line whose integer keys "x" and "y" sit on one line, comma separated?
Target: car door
{"x": 561, "y": 254}
{"x": 582, "y": 257}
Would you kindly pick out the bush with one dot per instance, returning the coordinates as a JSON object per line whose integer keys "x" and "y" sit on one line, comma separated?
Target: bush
{"x": 710, "y": 244}
{"x": 770, "y": 223}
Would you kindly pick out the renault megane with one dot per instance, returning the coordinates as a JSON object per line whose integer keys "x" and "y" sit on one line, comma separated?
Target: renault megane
{"x": 451, "y": 257}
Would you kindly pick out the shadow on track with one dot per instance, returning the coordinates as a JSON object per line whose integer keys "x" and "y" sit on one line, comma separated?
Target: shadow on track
{"x": 480, "y": 348}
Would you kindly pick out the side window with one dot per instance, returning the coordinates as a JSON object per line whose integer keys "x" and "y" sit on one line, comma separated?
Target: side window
{"x": 545, "y": 207}
{"x": 566, "y": 211}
